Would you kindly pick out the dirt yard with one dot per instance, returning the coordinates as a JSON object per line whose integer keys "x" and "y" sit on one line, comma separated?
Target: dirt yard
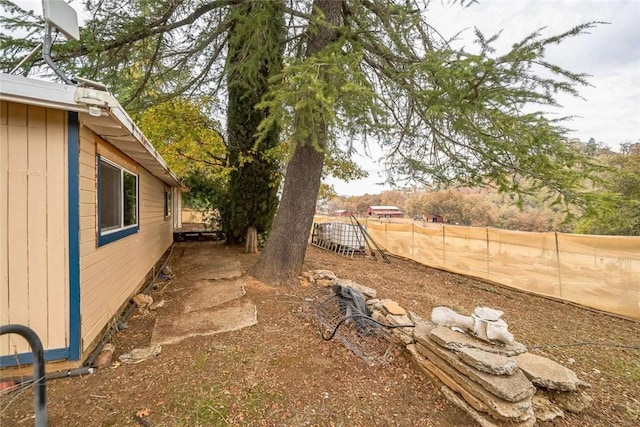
{"x": 281, "y": 373}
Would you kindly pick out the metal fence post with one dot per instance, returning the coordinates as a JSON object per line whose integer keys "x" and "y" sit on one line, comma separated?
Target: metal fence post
{"x": 558, "y": 262}
{"x": 39, "y": 386}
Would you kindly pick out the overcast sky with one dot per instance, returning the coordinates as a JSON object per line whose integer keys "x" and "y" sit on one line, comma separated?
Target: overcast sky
{"x": 610, "y": 110}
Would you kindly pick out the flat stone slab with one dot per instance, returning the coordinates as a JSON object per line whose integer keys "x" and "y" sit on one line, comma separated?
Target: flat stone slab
{"x": 205, "y": 294}
{"x": 491, "y": 363}
{"x": 478, "y": 417}
{"x": 472, "y": 392}
{"x": 366, "y": 291}
{"x": 453, "y": 340}
{"x": 170, "y": 330}
{"x": 548, "y": 374}
{"x": 512, "y": 388}
{"x": 398, "y": 320}
{"x": 393, "y": 308}
{"x": 544, "y": 409}
{"x": 220, "y": 269}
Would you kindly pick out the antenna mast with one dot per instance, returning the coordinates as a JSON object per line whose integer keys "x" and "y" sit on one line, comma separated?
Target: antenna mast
{"x": 59, "y": 15}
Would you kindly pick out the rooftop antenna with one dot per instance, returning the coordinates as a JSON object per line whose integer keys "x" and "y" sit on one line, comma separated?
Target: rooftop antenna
{"x": 59, "y": 15}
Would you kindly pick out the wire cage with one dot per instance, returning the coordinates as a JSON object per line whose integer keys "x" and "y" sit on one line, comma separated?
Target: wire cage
{"x": 365, "y": 337}
{"x": 345, "y": 239}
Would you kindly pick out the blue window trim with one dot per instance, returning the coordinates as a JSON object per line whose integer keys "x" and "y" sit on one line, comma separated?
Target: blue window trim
{"x": 104, "y": 239}
{"x": 108, "y": 238}
{"x": 73, "y": 160}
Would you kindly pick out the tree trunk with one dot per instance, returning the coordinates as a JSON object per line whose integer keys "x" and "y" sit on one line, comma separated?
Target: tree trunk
{"x": 252, "y": 241}
{"x": 281, "y": 260}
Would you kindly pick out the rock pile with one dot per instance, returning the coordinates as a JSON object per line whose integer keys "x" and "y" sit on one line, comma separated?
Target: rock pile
{"x": 497, "y": 383}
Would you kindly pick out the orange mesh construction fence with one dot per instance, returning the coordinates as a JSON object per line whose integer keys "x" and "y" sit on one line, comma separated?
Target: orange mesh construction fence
{"x": 601, "y": 272}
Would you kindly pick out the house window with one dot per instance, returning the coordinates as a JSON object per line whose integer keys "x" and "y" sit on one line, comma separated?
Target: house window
{"x": 117, "y": 202}
{"x": 167, "y": 205}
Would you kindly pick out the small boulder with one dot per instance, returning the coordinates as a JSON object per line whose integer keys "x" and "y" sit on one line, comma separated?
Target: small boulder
{"x": 487, "y": 313}
{"x": 365, "y": 290}
{"x": 143, "y": 302}
{"x": 444, "y": 316}
{"x": 104, "y": 358}
{"x": 324, "y": 282}
{"x": 138, "y": 355}
{"x": 157, "y": 305}
{"x": 324, "y": 274}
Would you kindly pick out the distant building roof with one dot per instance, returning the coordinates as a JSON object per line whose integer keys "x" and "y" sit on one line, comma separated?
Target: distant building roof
{"x": 386, "y": 208}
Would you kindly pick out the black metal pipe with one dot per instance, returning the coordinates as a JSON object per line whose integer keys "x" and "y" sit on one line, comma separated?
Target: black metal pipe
{"x": 46, "y": 55}
{"x": 39, "y": 385}
{"x": 66, "y": 373}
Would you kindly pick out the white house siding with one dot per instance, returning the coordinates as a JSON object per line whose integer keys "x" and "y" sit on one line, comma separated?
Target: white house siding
{"x": 112, "y": 273}
{"x": 33, "y": 225}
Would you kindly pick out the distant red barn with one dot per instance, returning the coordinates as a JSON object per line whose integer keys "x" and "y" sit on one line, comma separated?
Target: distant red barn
{"x": 433, "y": 218}
{"x": 341, "y": 212}
{"x": 385, "y": 212}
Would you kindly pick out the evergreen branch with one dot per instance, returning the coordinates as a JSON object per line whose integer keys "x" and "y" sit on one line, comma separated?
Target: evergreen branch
{"x": 147, "y": 74}
{"x": 216, "y": 161}
{"x": 153, "y": 29}
{"x": 297, "y": 13}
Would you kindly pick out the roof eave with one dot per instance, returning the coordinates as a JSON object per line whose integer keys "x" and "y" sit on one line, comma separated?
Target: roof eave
{"x": 113, "y": 124}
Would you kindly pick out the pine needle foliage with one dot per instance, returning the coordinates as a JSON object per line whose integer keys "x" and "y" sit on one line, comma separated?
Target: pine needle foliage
{"x": 255, "y": 46}
{"x": 443, "y": 115}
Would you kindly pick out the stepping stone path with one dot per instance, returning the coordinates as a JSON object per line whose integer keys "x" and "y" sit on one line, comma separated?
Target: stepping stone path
{"x": 215, "y": 303}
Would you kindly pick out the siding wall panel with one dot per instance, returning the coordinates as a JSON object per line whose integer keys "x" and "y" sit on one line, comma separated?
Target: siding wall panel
{"x": 37, "y": 222}
{"x": 109, "y": 274}
{"x": 33, "y": 234}
{"x": 57, "y": 231}
{"x": 88, "y": 196}
{"x": 17, "y": 216}
{"x": 87, "y": 184}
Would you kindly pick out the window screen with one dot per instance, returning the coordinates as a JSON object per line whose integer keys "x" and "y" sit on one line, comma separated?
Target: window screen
{"x": 117, "y": 202}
